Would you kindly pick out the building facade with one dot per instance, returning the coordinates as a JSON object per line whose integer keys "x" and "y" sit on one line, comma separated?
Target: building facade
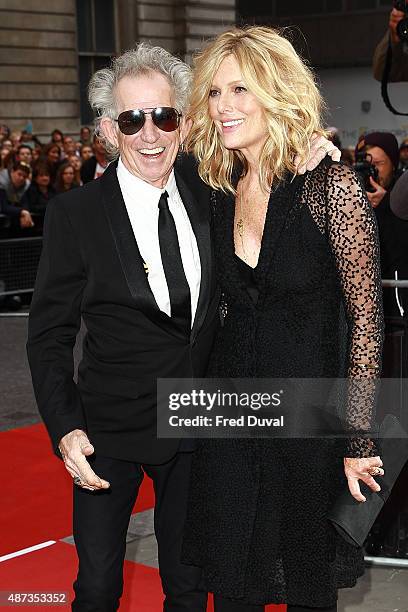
{"x": 50, "y": 48}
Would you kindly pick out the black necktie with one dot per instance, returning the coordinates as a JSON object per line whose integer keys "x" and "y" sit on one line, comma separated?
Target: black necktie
{"x": 179, "y": 290}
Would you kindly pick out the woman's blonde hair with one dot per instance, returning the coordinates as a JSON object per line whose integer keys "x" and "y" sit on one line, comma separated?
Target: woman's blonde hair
{"x": 284, "y": 86}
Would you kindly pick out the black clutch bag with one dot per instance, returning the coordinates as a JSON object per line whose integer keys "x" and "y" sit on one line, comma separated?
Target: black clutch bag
{"x": 352, "y": 519}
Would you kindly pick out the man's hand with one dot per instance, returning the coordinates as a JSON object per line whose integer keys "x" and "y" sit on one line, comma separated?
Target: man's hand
{"x": 26, "y": 219}
{"x": 362, "y": 469}
{"x": 75, "y": 447}
{"x": 375, "y": 197}
{"x": 319, "y": 148}
{"x": 395, "y": 18}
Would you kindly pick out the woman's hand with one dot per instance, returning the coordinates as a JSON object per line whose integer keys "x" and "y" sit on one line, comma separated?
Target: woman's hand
{"x": 319, "y": 148}
{"x": 362, "y": 469}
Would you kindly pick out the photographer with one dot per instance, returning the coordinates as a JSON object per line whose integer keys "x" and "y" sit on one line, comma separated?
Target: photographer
{"x": 382, "y": 154}
{"x": 382, "y": 158}
{"x": 399, "y": 64}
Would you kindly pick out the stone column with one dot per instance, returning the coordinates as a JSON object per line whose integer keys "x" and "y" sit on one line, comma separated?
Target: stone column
{"x": 180, "y": 26}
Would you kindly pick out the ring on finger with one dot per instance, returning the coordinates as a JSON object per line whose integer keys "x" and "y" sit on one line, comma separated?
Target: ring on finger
{"x": 374, "y": 471}
{"x": 78, "y": 481}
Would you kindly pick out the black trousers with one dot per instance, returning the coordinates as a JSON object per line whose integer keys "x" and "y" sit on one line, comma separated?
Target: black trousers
{"x": 222, "y": 604}
{"x": 100, "y": 525}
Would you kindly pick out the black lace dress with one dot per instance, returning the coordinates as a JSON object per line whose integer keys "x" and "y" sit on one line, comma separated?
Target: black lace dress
{"x": 311, "y": 308}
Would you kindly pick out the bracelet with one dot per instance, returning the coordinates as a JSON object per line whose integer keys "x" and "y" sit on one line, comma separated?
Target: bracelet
{"x": 367, "y": 366}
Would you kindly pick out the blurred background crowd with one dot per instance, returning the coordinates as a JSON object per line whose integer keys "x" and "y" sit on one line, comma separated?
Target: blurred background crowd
{"x": 31, "y": 173}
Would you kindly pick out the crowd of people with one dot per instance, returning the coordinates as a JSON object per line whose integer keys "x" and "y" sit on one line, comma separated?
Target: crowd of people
{"x": 31, "y": 173}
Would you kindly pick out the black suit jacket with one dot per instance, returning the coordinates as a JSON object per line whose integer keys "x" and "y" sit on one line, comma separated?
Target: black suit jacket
{"x": 88, "y": 170}
{"x": 91, "y": 266}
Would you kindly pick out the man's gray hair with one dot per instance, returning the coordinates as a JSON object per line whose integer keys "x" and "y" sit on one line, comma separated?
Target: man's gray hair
{"x": 138, "y": 61}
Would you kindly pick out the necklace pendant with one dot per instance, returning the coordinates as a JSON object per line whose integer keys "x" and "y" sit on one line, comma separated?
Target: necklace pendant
{"x": 240, "y": 227}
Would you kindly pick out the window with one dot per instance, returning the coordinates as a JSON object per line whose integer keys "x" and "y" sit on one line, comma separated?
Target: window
{"x": 96, "y": 44}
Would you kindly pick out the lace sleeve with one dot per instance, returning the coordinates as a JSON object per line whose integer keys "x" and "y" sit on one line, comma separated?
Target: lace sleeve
{"x": 352, "y": 232}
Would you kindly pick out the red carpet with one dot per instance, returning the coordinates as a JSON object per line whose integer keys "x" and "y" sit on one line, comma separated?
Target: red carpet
{"x": 36, "y": 507}
{"x": 52, "y": 570}
{"x": 36, "y": 491}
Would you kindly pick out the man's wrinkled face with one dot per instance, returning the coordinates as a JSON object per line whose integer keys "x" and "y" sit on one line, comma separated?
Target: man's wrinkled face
{"x": 150, "y": 153}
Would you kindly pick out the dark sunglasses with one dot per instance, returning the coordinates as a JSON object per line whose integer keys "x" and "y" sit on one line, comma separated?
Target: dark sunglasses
{"x": 163, "y": 117}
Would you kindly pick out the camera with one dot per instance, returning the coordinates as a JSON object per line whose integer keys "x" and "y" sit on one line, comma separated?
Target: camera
{"x": 365, "y": 168}
{"x": 402, "y": 27}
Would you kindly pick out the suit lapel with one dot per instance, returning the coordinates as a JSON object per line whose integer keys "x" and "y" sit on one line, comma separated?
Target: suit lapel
{"x": 129, "y": 255}
{"x": 198, "y": 213}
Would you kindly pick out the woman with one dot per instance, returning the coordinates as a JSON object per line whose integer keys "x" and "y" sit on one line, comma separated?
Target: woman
{"x": 37, "y": 152}
{"x": 86, "y": 152}
{"x": 65, "y": 178}
{"x": 76, "y": 161}
{"x": 4, "y": 156}
{"x": 40, "y": 191}
{"x": 51, "y": 156}
{"x": 57, "y": 137}
{"x": 290, "y": 252}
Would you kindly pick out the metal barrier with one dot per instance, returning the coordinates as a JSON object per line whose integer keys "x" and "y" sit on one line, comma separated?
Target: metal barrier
{"x": 19, "y": 258}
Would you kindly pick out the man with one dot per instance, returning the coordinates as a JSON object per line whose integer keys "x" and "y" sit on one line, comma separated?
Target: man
{"x": 96, "y": 165}
{"x": 102, "y": 259}
{"x": 399, "y": 61}
{"x": 382, "y": 148}
{"x": 24, "y": 154}
{"x": 15, "y": 181}
{"x": 69, "y": 147}
{"x": 393, "y": 232}
{"x": 131, "y": 253}
{"x": 85, "y": 135}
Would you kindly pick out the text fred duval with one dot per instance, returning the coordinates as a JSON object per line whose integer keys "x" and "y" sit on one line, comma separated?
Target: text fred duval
{"x": 249, "y": 420}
